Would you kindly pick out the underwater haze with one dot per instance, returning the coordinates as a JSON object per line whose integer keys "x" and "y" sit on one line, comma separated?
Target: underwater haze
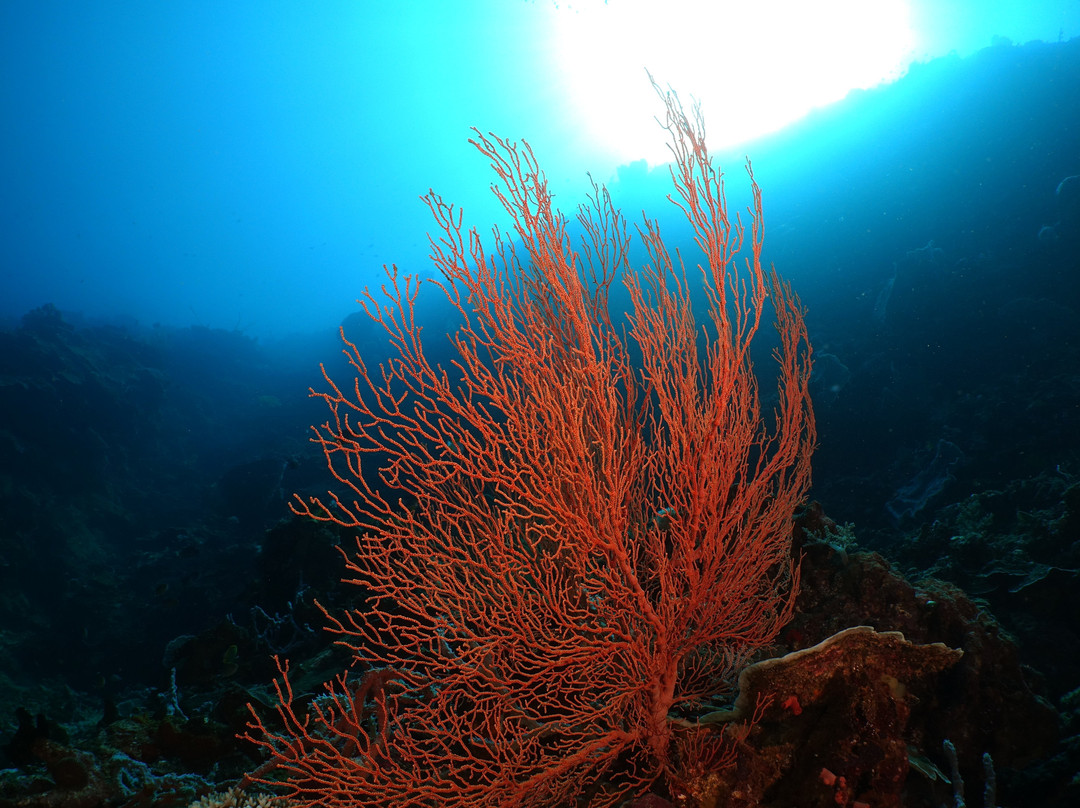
{"x": 251, "y": 166}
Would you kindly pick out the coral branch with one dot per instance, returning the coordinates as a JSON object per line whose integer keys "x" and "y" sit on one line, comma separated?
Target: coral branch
{"x": 593, "y": 521}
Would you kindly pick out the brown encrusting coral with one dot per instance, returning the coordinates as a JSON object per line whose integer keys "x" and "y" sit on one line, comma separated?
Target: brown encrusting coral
{"x": 835, "y": 726}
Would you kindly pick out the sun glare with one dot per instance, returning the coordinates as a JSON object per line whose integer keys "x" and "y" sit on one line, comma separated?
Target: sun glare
{"x": 755, "y": 66}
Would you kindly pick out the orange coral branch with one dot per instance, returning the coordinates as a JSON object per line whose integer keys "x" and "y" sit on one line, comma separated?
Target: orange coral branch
{"x": 594, "y": 522}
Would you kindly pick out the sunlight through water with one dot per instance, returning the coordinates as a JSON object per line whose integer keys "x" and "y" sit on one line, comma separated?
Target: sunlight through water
{"x": 756, "y": 67}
